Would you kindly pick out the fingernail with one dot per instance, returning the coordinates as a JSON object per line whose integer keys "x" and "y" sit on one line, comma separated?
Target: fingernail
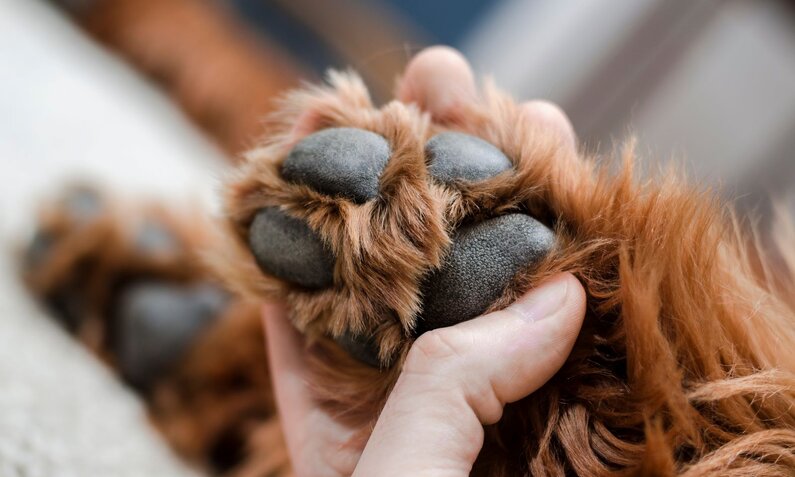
{"x": 543, "y": 301}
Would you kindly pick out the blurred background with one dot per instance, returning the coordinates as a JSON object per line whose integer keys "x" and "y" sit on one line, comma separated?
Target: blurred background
{"x": 154, "y": 99}
{"x": 110, "y": 85}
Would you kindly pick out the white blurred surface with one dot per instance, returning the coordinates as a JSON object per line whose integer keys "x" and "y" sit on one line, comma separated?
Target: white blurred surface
{"x": 730, "y": 103}
{"x": 69, "y": 110}
{"x": 709, "y": 83}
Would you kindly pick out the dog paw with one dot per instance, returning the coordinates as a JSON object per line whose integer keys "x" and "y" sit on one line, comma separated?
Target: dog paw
{"x": 377, "y": 225}
{"x": 124, "y": 278}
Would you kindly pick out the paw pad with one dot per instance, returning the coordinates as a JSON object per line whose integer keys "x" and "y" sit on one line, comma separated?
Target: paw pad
{"x": 343, "y": 162}
{"x": 455, "y": 156}
{"x": 362, "y": 348}
{"x": 286, "y": 247}
{"x": 154, "y": 237}
{"x": 83, "y": 203}
{"x": 156, "y": 324}
{"x": 483, "y": 259}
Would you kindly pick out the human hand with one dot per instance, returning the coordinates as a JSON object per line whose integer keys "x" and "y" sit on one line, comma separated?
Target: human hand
{"x": 454, "y": 380}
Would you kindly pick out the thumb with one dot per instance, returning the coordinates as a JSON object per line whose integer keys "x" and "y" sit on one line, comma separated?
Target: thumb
{"x": 457, "y": 379}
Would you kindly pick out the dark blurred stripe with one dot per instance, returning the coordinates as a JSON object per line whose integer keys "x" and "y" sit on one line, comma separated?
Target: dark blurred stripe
{"x": 369, "y": 36}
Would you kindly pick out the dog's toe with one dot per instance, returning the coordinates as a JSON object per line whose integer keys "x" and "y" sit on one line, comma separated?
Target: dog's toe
{"x": 343, "y": 162}
{"x": 79, "y": 205}
{"x": 154, "y": 237}
{"x": 287, "y": 248}
{"x": 455, "y": 156}
{"x": 39, "y": 248}
{"x": 156, "y": 324}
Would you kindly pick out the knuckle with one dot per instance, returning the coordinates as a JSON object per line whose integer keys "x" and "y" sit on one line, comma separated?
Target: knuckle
{"x": 436, "y": 348}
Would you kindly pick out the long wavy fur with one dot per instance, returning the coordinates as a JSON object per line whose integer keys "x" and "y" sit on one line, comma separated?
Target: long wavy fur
{"x": 685, "y": 364}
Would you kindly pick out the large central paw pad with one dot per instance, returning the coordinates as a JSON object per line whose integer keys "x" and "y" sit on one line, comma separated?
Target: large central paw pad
{"x": 483, "y": 259}
{"x": 156, "y": 324}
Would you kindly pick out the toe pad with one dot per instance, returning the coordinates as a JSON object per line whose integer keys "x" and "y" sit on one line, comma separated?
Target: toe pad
{"x": 156, "y": 324}
{"x": 83, "y": 203}
{"x": 343, "y": 162}
{"x": 154, "y": 237}
{"x": 455, "y": 156}
{"x": 286, "y": 247}
{"x": 362, "y": 348}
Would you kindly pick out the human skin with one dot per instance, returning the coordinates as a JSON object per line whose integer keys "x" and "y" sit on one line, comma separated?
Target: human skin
{"x": 455, "y": 380}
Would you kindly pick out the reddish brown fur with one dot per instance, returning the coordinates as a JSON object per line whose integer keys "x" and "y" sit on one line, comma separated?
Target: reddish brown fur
{"x": 685, "y": 363}
{"x": 220, "y": 73}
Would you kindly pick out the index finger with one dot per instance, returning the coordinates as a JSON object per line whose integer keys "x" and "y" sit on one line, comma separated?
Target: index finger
{"x": 439, "y": 79}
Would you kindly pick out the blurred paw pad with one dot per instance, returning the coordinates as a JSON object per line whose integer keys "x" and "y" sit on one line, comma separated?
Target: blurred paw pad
{"x": 157, "y": 322}
{"x": 82, "y": 203}
{"x": 154, "y": 237}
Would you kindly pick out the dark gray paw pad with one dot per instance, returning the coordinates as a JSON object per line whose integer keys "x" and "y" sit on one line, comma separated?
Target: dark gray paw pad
{"x": 287, "y": 248}
{"x": 343, "y": 162}
{"x": 455, "y": 156}
{"x": 157, "y": 322}
{"x": 39, "y": 248}
{"x": 82, "y": 203}
{"x": 362, "y": 348}
{"x": 482, "y": 260}
{"x": 68, "y": 306}
{"x": 155, "y": 237}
